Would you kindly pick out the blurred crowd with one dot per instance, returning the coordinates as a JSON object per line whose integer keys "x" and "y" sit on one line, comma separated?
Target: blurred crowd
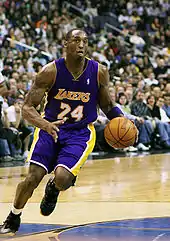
{"x": 132, "y": 38}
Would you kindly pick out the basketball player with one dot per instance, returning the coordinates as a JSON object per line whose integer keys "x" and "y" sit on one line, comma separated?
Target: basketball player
{"x": 65, "y": 135}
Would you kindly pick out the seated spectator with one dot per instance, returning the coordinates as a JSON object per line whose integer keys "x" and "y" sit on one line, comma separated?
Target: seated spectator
{"x": 166, "y": 105}
{"x": 8, "y": 137}
{"x": 144, "y": 126}
{"x": 140, "y": 85}
{"x": 161, "y": 70}
{"x": 151, "y": 79}
{"x": 4, "y": 148}
{"x": 155, "y": 25}
{"x": 162, "y": 128}
{"x": 156, "y": 90}
{"x": 135, "y": 18}
{"x": 16, "y": 121}
{"x": 129, "y": 95}
{"x": 161, "y": 111}
{"x": 139, "y": 107}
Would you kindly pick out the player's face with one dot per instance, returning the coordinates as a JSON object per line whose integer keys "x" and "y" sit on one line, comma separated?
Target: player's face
{"x": 77, "y": 44}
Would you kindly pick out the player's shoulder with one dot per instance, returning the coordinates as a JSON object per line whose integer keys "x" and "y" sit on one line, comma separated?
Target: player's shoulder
{"x": 47, "y": 75}
{"x": 50, "y": 67}
{"x": 103, "y": 75}
{"x": 92, "y": 61}
{"x": 102, "y": 68}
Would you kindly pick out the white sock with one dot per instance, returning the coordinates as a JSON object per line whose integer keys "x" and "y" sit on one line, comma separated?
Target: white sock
{"x": 16, "y": 211}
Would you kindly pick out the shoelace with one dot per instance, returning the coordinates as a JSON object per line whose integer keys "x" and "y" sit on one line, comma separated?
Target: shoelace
{"x": 6, "y": 223}
{"x": 51, "y": 192}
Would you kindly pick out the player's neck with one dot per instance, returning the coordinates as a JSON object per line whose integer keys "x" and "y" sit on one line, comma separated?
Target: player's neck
{"x": 74, "y": 64}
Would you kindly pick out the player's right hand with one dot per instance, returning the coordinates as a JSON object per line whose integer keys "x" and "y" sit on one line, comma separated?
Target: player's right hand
{"x": 52, "y": 128}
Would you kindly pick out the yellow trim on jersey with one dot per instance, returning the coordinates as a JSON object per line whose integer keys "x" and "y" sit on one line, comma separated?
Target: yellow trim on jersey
{"x": 36, "y": 137}
{"x": 45, "y": 103}
{"x": 81, "y": 72}
{"x": 98, "y": 81}
{"x": 87, "y": 58}
{"x": 90, "y": 145}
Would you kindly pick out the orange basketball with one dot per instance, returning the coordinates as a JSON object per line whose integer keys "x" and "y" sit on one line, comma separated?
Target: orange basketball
{"x": 120, "y": 132}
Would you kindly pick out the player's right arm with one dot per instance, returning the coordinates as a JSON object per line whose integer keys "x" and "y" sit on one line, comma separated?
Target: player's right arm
{"x": 105, "y": 102}
{"x": 43, "y": 82}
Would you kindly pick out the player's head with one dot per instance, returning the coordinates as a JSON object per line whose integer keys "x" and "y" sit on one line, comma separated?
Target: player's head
{"x": 76, "y": 43}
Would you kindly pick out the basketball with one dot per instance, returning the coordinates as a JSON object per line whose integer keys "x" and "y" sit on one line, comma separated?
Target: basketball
{"x": 120, "y": 132}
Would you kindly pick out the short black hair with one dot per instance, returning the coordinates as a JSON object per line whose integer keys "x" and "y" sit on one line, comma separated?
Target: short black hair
{"x": 166, "y": 95}
{"x": 69, "y": 33}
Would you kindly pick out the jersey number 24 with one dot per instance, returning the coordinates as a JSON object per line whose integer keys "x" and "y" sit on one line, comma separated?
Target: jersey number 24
{"x": 76, "y": 114}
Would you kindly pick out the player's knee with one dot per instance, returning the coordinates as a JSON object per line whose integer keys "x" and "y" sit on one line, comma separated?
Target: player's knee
{"x": 63, "y": 179}
{"x": 32, "y": 181}
{"x": 62, "y": 183}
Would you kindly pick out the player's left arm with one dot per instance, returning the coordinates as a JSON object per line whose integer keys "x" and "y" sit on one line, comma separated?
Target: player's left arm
{"x": 105, "y": 102}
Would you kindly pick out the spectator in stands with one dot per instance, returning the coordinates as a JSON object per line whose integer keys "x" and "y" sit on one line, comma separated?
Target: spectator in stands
{"x": 144, "y": 126}
{"x": 129, "y": 95}
{"x": 16, "y": 121}
{"x": 162, "y": 128}
{"x": 155, "y": 25}
{"x": 4, "y": 147}
{"x": 162, "y": 114}
{"x": 167, "y": 88}
{"x": 166, "y": 105}
{"x": 151, "y": 79}
{"x": 8, "y": 136}
{"x": 139, "y": 107}
{"x": 156, "y": 90}
{"x": 161, "y": 70}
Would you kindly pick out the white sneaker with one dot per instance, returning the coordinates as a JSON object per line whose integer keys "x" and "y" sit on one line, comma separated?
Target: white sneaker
{"x": 131, "y": 149}
{"x": 142, "y": 147}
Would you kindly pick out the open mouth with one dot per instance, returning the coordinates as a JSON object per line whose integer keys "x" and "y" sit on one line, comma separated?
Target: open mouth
{"x": 80, "y": 52}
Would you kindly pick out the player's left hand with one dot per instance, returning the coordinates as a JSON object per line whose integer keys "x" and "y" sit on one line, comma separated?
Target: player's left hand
{"x": 53, "y": 128}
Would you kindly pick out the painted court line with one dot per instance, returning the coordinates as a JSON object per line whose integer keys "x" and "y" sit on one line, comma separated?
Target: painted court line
{"x": 158, "y": 237}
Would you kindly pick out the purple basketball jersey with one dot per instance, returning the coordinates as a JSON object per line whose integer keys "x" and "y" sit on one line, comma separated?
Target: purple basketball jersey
{"x": 75, "y": 99}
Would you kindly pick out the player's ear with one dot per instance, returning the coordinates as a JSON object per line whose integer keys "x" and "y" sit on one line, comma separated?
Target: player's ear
{"x": 65, "y": 43}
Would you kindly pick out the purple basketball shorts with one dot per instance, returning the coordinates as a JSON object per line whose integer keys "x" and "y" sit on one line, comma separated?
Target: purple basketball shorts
{"x": 70, "y": 151}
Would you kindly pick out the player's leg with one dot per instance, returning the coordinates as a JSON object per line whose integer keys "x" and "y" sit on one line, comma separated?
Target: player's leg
{"x": 25, "y": 189}
{"x": 62, "y": 180}
{"x": 23, "y": 193}
{"x": 41, "y": 162}
{"x": 70, "y": 160}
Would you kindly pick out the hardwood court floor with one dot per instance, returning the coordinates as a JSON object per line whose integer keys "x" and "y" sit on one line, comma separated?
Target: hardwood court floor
{"x": 106, "y": 190}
